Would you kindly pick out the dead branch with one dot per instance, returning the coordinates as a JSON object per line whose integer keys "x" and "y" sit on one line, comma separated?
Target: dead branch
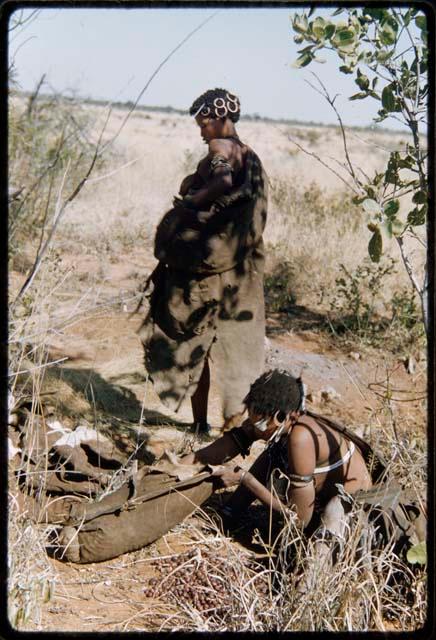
{"x": 314, "y": 155}
{"x": 331, "y": 102}
{"x": 34, "y": 96}
{"x": 60, "y": 209}
{"x": 154, "y": 74}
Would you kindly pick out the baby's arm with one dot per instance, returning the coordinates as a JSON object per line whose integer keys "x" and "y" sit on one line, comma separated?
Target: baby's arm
{"x": 220, "y": 179}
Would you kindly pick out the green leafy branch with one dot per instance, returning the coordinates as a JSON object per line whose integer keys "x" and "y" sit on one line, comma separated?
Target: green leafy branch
{"x": 366, "y": 43}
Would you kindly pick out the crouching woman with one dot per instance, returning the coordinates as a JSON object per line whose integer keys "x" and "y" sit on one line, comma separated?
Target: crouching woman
{"x": 311, "y": 453}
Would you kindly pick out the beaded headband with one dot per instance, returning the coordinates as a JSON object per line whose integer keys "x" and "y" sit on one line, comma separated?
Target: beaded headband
{"x": 220, "y": 107}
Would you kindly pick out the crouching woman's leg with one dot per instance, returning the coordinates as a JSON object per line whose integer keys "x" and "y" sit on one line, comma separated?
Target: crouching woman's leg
{"x": 325, "y": 542}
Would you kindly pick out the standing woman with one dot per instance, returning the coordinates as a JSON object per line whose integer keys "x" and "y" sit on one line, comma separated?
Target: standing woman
{"x": 206, "y": 301}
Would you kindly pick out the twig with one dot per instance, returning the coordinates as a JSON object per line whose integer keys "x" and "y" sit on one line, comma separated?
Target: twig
{"x": 58, "y": 217}
{"x": 47, "y": 364}
{"x": 314, "y": 155}
{"x": 154, "y": 74}
{"x": 115, "y": 171}
{"x": 331, "y": 102}
{"x": 97, "y": 153}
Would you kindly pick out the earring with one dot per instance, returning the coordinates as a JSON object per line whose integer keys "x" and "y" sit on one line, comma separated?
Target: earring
{"x": 277, "y": 421}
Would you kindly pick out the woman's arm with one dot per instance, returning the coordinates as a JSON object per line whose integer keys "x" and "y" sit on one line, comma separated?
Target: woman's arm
{"x": 302, "y": 463}
{"x": 187, "y": 183}
{"x": 223, "y": 449}
{"x": 230, "y": 476}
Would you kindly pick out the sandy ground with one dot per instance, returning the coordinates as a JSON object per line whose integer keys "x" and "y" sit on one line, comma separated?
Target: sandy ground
{"x": 105, "y": 351}
{"x": 95, "y": 336}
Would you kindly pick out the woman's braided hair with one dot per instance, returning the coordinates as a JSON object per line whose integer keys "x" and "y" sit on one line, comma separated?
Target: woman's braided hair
{"x": 275, "y": 390}
{"x": 217, "y": 103}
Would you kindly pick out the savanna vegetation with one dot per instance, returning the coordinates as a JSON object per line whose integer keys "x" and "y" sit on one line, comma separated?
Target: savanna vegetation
{"x": 346, "y": 271}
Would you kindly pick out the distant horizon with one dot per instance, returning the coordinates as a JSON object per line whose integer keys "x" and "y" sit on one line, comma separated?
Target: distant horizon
{"x": 244, "y": 116}
{"x": 115, "y": 52}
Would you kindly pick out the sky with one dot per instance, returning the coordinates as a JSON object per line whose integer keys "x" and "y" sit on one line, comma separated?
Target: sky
{"x": 110, "y": 54}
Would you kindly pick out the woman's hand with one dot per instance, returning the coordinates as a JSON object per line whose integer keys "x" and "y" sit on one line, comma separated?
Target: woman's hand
{"x": 228, "y": 475}
{"x": 186, "y": 184}
{"x": 187, "y": 202}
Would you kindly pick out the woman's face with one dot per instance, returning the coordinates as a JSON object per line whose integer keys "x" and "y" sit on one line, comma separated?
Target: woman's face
{"x": 270, "y": 422}
{"x": 210, "y": 128}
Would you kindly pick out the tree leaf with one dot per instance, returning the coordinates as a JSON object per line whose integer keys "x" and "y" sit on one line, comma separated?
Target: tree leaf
{"x": 345, "y": 69}
{"x": 362, "y": 80}
{"x": 417, "y": 216}
{"x": 420, "y": 197}
{"x": 299, "y": 23}
{"x": 383, "y": 55}
{"x": 358, "y": 96}
{"x": 329, "y": 31}
{"x": 303, "y": 60}
{"x": 421, "y": 22}
{"x": 388, "y": 98}
{"x": 397, "y": 227}
{"x": 387, "y": 35}
{"x": 387, "y": 228}
{"x": 371, "y": 206}
{"x": 417, "y": 554}
{"x": 375, "y": 246}
{"x": 391, "y": 208}
{"x": 318, "y": 27}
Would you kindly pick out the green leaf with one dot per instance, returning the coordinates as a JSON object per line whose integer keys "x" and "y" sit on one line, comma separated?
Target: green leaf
{"x": 417, "y": 554}
{"x": 377, "y": 14}
{"x": 337, "y": 12}
{"x": 318, "y": 27}
{"x": 344, "y": 36}
{"x": 329, "y": 31}
{"x": 420, "y": 197}
{"x": 347, "y": 49}
{"x": 387, "y": 228}
{"x": 397, "y": 227}
{"x": 358, "y": 96}
{"x": 372, "y": 226}
{"x": 375, "y": 246}
{"x": 345, "y": 69}
{"x": 387, "y": 35}
{"x": 388, "y": 98}
{"x": 421, "y": 22}
{"x": 298, "y": 39}
{"x": 417, "y": 216}
{"x": 371, "y": 206}
{"x": 383, "y": 56}
{"x": 299, "y": 23}
{"x": 392, "y": 208}
{"x": 362, "y": 80}
{"x": 303, "y": 60}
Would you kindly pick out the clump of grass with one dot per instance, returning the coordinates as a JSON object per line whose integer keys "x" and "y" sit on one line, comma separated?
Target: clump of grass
{"x": 279, "y": 287}
{"x": 48, "y": 148}
{"x": 31, "y": 579}
{"x": 364, "y": 309}
{"x": 299, "y": 216}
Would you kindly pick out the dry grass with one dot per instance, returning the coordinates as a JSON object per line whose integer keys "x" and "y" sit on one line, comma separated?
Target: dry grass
{"x": 31, "y": 578}
{"x": 115, "y": 213}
